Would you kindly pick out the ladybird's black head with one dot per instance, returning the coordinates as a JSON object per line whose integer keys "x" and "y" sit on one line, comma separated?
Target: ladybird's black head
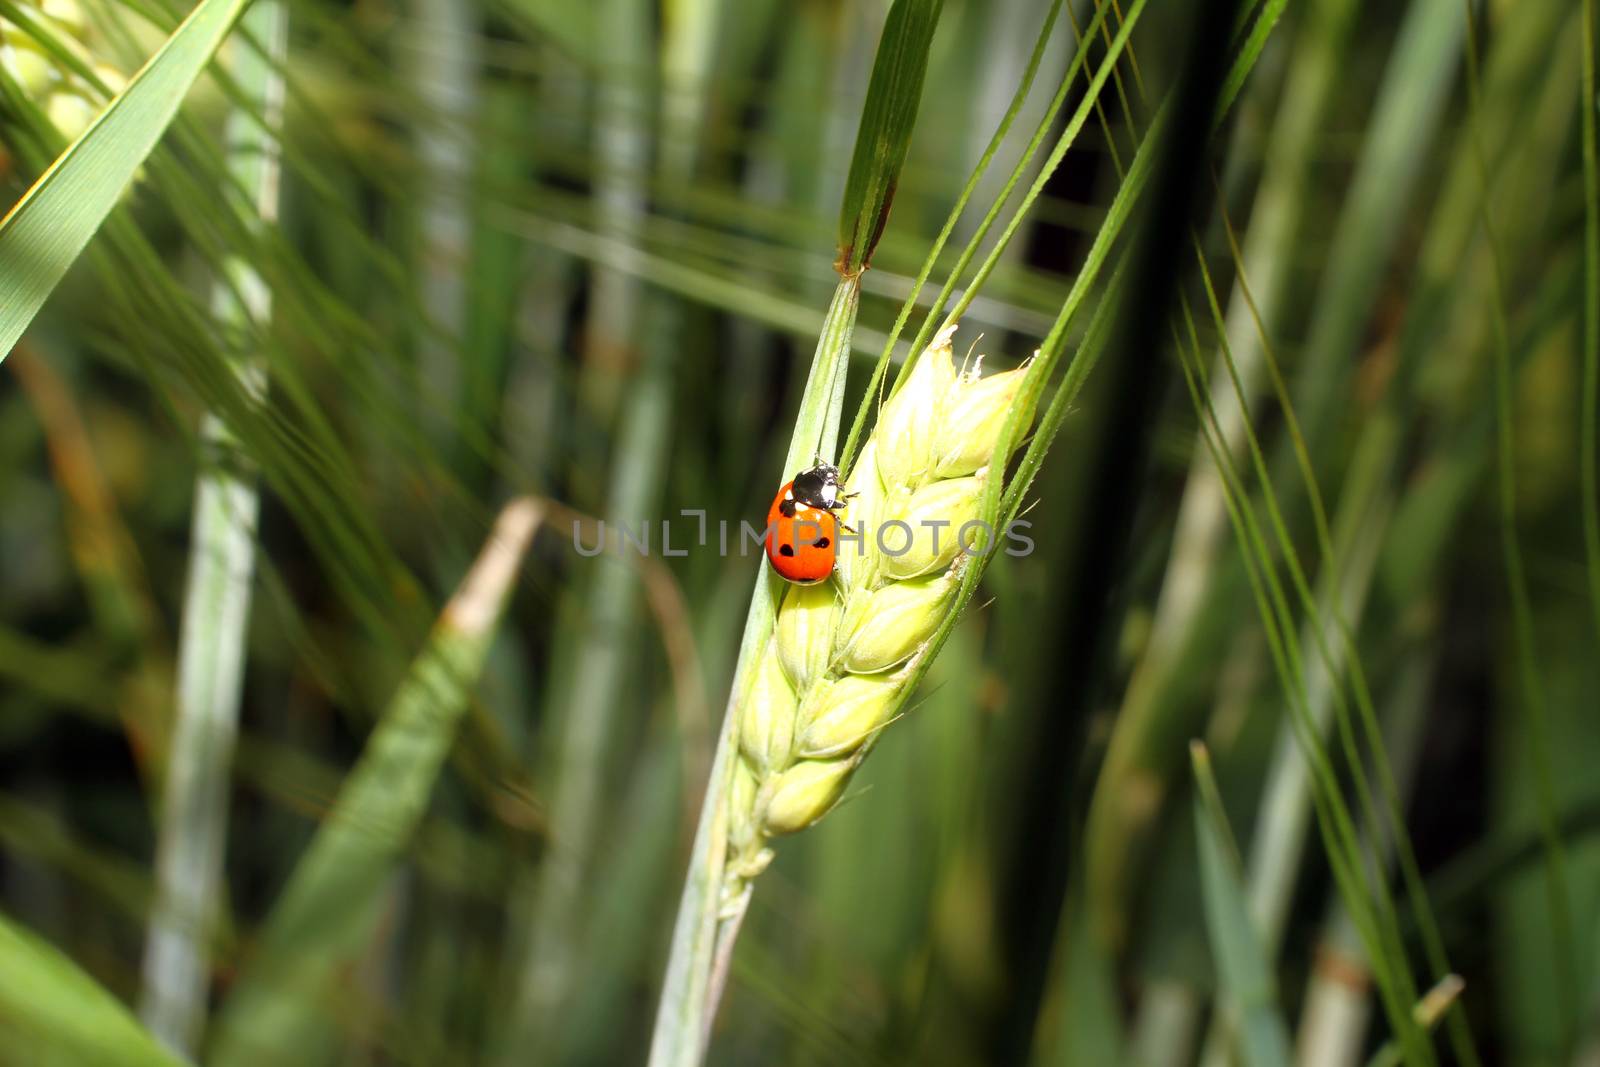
{"x": 819, "y": 487}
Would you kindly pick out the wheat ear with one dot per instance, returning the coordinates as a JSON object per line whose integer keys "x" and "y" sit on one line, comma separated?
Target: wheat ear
{"x": 837, "y": 668}
{"x": 69, "y": 94}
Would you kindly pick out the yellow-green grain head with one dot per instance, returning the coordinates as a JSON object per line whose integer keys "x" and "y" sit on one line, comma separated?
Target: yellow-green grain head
{"x": 844, "y": 653}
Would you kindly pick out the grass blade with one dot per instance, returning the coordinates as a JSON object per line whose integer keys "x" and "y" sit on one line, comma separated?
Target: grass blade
{"x": 1240, "y": 958}
{"x": 885, "y": 133}
{"x": 326, "y": 914}
{"x": 216, "y": 610}
{"x": 1530, "y": 680}
{"x": 1116, "y": 833}
{"x": 49, "y": 227}
{"x": 1337, "y": 1008}
{"x": 1433, "y": 1007}
{"x": 1416, "y": 86}
{"x": 61, "y": 1015}
{"x": 444, "y": 68}
{"x": 1589, "y": 443}
{"x": 625, "y": 317}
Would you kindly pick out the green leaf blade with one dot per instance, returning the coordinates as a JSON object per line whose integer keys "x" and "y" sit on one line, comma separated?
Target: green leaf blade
{"x": 887, "y": 118}
{"x": 1242, "y": 965}
{"x": 61, "y": 1015}
{"x": 284, "y": 1007}
{"x": 52, "y": 224}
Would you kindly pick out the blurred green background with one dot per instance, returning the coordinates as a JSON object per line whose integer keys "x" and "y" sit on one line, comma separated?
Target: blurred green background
{"x": 581, "y": 251}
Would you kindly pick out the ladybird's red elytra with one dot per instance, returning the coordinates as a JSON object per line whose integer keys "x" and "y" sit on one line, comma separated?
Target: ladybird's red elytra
{"x": 802, "y": 530}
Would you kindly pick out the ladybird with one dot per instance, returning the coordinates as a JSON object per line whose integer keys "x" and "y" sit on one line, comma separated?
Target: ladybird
{"x": 802, "y": 528}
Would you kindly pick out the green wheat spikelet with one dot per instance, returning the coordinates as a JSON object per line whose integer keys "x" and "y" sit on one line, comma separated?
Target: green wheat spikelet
{"x": 838, "y": 666}
{"x": 31, "y": 58}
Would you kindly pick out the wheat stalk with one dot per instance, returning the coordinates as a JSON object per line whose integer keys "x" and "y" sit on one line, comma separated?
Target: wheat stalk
{"x": 839, "y": 664}
{"x": 193, "y": 829}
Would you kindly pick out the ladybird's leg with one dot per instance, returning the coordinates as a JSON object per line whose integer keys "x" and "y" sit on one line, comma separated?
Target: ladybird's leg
{"x": 842, "y": 505}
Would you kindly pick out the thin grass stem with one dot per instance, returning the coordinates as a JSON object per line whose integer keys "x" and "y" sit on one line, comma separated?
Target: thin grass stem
{"x": 1530, "y": 684}
{"x": 707, "y": 925}
{"x": 194, "y": 810}
{"x": 1589, "y": 399}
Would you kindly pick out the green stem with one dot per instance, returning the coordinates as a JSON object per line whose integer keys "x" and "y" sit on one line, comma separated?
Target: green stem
{"x": 1337, "y": 1009}
{"x": 444, "y": 71}
{"x": 707, "y": 926}
{"x": 1202, "y": 518}
{"x": 194, "y": 815}
{"x": 1530, "y": 684}
{"x": 283, "y": 1008}
{"x": 1589, "y": 446}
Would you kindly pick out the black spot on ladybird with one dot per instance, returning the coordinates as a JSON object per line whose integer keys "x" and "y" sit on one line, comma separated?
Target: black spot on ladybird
{"x": 822, "y": 542}
{"x": 785, "y": 550}
{"x": 786, "y": 509}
